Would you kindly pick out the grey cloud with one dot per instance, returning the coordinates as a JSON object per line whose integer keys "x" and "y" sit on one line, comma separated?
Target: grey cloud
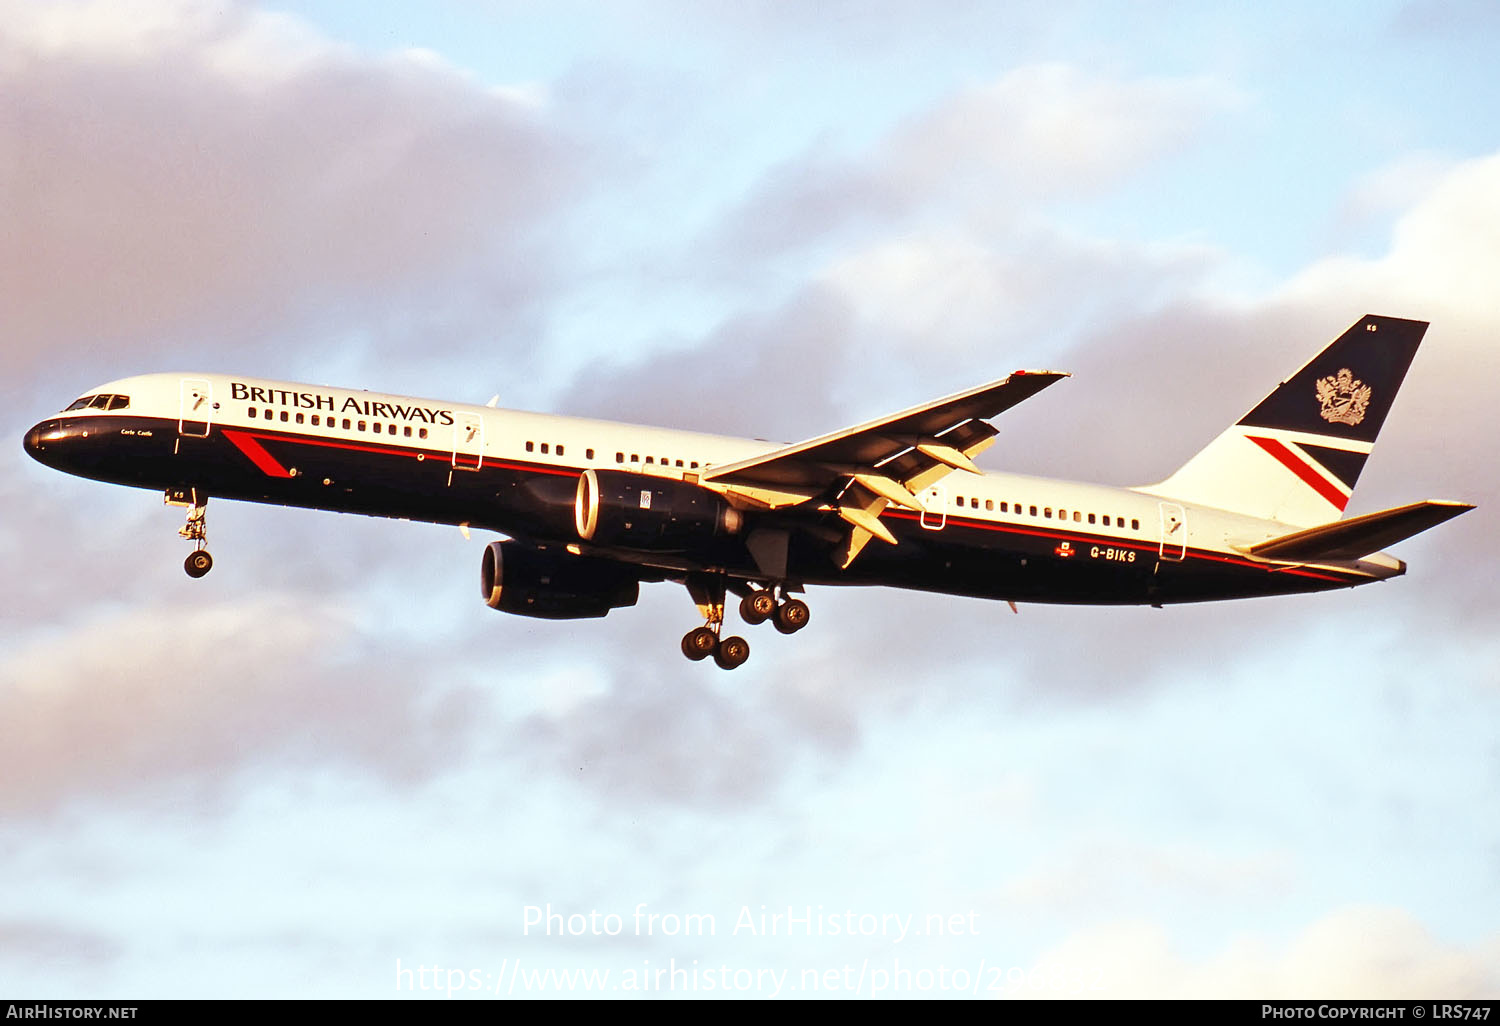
{"x": 990, "y": 152}
{"x": 192, "y": 697}
{"x": 32, "y": 946}
{"x": 757, "y": 374}
{"x": 163, "y": 191}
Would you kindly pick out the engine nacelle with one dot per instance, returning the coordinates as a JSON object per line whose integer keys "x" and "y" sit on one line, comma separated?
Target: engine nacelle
{"x": 637, "y": 511}
{"x": 553, "y": 584}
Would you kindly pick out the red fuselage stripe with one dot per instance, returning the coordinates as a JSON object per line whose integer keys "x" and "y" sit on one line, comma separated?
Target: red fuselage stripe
{"x": 251, "y": 447}
{"x": 465, "y": 461}
{"x": 1111, "y": 541}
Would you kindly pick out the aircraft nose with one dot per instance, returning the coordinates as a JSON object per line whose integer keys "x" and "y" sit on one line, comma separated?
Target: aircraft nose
{"x": 36, "y": 438}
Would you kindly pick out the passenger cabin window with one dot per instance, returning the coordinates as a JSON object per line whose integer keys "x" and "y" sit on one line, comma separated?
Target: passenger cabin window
{"x": 531, "y": 447}
{"x": 544, "y": 448}
{"x": 1135, "y": 525}
{"x": 588, "y": 454}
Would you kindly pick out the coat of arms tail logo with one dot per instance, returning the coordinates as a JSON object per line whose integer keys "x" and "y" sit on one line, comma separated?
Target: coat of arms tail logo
{"x": 1343, "y": 397}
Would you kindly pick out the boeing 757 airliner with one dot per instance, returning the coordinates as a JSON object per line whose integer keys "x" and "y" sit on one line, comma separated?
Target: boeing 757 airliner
{"x": 591, "y": 509}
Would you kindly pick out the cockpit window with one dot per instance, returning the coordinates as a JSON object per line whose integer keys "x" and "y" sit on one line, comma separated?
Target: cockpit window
{"x": 100, "y": 402}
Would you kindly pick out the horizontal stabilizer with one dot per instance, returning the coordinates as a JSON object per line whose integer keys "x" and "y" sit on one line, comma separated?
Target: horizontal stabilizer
{"x": 1359, "y": 536}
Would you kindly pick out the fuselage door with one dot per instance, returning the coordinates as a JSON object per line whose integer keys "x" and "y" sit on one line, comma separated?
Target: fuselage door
{"x": 468, "y": 441}
{"x": 935, "y": 508}
{"x": 195, "y": 408}
{"x": 1173, "y": 532}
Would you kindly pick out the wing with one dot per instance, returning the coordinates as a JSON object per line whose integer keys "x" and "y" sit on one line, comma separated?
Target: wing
{"x": 861, "y": 470}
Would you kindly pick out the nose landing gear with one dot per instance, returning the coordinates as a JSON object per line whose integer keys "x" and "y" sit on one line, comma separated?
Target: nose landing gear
{"x": 198, "y": 562}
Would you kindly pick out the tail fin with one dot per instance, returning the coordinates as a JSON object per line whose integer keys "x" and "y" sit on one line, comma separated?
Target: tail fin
{"x": 1297, "y": 455}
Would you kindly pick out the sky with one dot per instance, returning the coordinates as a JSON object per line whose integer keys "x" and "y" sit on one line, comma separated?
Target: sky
{"x": 328, "y": 770}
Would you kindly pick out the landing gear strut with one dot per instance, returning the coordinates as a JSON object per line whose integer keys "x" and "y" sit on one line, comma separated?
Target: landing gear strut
{"x": 702, "y": 642}
{"x": 198, "y": 562}
{"x": 759, "y": 605}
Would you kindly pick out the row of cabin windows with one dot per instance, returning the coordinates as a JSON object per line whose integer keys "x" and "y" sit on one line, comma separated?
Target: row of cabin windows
{"x": 1046, "y": 512}
{"x": 359, "y": 425}
{"x": 664, "y": 461}
{"x": 546, "y": 448}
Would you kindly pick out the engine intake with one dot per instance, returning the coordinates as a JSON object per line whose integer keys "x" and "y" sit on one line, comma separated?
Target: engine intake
{"x": 552, "y": 584}
{"x": 637, "y": 511}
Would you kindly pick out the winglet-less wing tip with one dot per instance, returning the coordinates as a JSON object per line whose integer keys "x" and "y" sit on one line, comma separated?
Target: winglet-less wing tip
{"x": 1045, "y": 373}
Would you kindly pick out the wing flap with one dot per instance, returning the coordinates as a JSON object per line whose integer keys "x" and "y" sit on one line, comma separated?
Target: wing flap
{"x": 1358, "y": 536}
{"x": 949, "y": 428}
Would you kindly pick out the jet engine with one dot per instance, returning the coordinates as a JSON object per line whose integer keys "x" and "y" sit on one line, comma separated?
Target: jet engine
{"x": 553, "y": 584}
{"x": 637, "y": 511}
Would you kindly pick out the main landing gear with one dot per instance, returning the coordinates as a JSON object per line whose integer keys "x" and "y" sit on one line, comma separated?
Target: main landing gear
{"x": 198, "y": 562}
{"x": 759, "y": 605}
{"x": 789, "y": 615}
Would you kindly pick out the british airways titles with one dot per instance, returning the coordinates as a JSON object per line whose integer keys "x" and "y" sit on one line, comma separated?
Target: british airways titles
{"x": 322, "y": 401}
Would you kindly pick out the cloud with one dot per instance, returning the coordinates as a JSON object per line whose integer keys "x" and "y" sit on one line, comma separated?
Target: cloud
{"x": 1356, "y": 953}
{"x": 991, "y": 152}
{"x": 36, "y": 946}
{"x": 192, "y": 172}
{"x": 194, "y": 696}
{"x": 756, "y": 374}
{"x": 1443, "y": 253}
